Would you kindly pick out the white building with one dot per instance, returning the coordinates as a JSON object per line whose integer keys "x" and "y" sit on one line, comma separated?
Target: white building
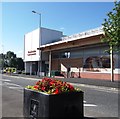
{"x": 32, "y": 41}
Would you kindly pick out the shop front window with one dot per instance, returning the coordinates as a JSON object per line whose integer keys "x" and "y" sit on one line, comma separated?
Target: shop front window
{"x": 65, "y": 55}
{"x": 94, "y": 63}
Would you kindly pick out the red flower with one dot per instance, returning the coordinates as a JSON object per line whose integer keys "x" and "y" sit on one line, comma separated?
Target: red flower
{"x": 56, "y": 91}
{"x": 43, "y": 88}
{"x": 38, "y": 83}
{"x": 36, "y": 86}
{"x": 52, "y": 82}
{"x": 71, "y": 87}
{"x": 53, "y": 86}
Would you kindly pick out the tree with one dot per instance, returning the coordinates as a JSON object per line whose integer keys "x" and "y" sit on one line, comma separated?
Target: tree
{"x": 1, "y": 62}
{"x": 111, "y": 28}
{"x": 10, "y": 60}
{"x": 19, "y": 64}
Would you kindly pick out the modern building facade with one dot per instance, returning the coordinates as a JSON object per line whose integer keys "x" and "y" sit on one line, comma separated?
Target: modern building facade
{"x": 33, "y": 58}
{"x": 80, "y": 55}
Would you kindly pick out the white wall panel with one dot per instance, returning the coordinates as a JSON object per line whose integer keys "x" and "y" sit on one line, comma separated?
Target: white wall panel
{"x": 31, "y": 44}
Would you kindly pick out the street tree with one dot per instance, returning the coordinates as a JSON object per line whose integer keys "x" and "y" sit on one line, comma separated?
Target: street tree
{"x": 10, "y": 60}
{"x": 19, "y": 64}
{"x": 1, "y": 61}
{"x": 111, "y": 28}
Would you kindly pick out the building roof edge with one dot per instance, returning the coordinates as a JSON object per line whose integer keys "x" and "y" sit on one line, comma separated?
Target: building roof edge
{"x": 81, "y": 35}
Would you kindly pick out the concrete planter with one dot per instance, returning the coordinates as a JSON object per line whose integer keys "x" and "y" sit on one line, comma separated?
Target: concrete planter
{"x": 39, "y": 104}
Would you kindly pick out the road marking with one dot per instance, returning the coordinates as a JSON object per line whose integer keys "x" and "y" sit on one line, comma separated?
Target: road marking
{"x": 11, "y": 84}
{"x": 90, "y": 105}
{"x": 98, "y": 88}
{"x": 16, "y": 87}
{"x": 7, "y": 80}
{"x": 20, "y": 89}
{"x": 113, "y": 90}
{"x": 26, "y": 78}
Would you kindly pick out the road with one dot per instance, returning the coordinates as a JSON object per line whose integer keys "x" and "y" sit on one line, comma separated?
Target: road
{"x": 98, "y": 102}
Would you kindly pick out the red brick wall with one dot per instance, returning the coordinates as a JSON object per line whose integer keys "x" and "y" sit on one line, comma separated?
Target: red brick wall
{"x": 67, "y": 62}
{"x": 94, "y": 75}
{"x": 78, "y": 62}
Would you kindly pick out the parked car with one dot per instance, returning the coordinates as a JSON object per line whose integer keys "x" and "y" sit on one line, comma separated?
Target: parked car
{"x": 9, "y": 70}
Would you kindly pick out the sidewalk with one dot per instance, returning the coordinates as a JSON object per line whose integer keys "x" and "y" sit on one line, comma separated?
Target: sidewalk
{"x": 95, "y": 82}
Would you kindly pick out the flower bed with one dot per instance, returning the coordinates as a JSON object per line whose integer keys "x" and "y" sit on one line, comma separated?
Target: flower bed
{"x": 53, "y": 86}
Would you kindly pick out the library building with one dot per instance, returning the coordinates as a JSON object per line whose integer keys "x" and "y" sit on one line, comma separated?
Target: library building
{"x": 47, "y": 52}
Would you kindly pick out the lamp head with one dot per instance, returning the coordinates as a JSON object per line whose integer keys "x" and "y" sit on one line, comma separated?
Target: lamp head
{"x": 34, "y": 11}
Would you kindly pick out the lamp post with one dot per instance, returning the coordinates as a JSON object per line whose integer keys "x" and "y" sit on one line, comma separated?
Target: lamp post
{"x": 40, "y": 54}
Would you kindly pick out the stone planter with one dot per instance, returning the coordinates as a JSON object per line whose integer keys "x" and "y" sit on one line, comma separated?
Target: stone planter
{"x": 39, "y": 104}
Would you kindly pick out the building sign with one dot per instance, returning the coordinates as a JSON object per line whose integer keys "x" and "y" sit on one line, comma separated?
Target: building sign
{"x": 89, "y": 33}
{"x": 32, "y": 52}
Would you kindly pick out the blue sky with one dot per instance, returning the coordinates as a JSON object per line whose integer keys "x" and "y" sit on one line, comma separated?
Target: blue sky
{"x": 69, "y": 17}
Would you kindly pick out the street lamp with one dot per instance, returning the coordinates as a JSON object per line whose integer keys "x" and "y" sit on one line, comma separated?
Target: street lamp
{"x": 40, "y": 54}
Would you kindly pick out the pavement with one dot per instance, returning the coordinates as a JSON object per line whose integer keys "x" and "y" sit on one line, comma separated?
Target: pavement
{"x": 94, "y": 82}
{"x": 85, "y": 81}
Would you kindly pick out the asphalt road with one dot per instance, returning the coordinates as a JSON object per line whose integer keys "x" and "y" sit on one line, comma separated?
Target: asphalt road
{"x": 98, "y": 102}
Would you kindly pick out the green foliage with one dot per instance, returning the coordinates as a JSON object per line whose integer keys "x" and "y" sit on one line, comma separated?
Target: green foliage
{"x": 19, "y": 64}
{"x": 3, "y": 62}
{"x": 10, "y": 60}
{"x": 111, "y": 28}
{"x": 10, "y": 55}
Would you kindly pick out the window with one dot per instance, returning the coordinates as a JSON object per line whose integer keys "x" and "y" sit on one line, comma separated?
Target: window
{"x": 67, "y": 54}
